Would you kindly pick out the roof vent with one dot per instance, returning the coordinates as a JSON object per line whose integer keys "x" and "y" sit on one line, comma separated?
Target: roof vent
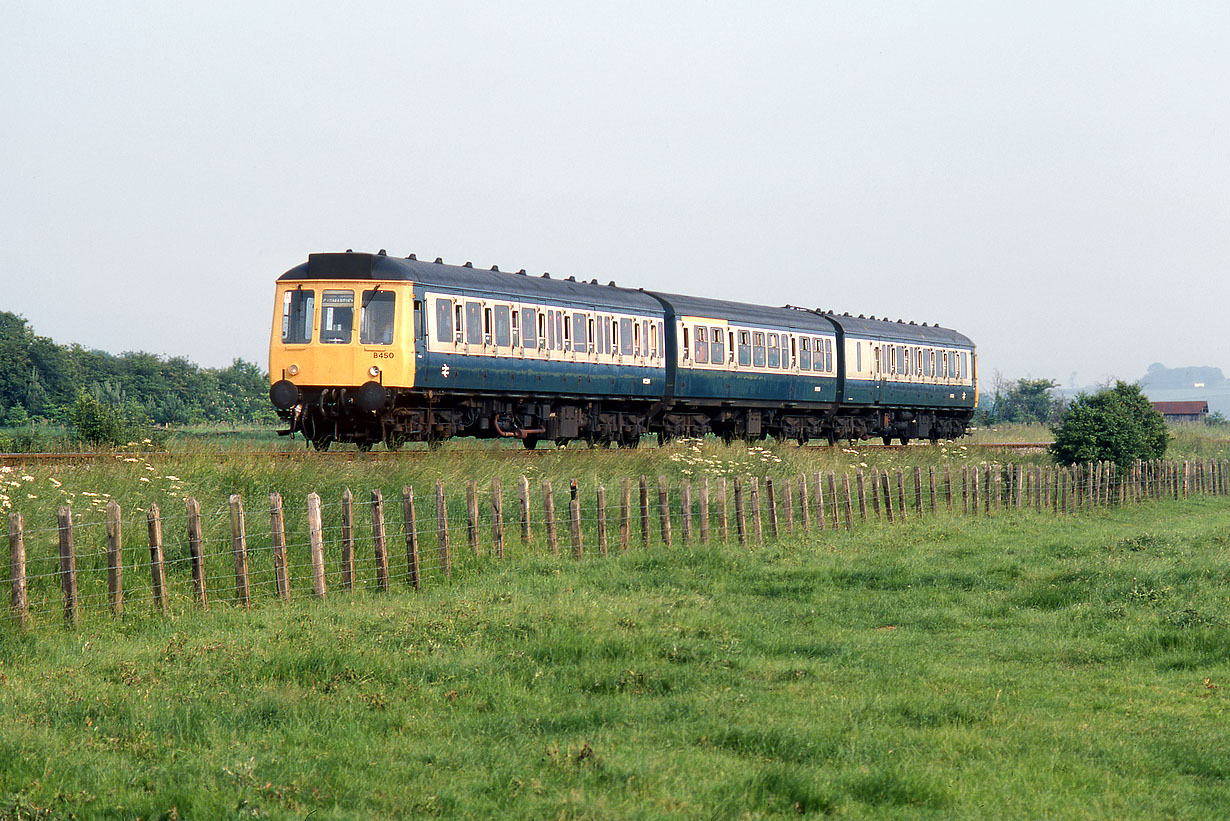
{"x": 572, "y": 279}
{"x": 382, "y": 252}
{"x": 611, "y": 284}
{"x": 911, "y": 322}
{"x": 439, "y": 260}
{"x": 593, "y": 281}
{"x": 847, "y": 313}
{"x": 350, "y": 250}
{"x": 411, "y": 256}
{"x": 873, "y": 316}
{"x": 521, "y": 272}
{"x": 495, "y": 267}
{"x": 546, "y": 275}
{"x": 468, "y": 264}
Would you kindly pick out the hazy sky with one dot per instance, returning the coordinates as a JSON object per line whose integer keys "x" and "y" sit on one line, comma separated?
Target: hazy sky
{"x": 1050, "y": 178}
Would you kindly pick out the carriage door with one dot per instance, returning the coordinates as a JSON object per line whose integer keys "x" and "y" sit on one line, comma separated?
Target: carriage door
{"x": 877, "y": 376}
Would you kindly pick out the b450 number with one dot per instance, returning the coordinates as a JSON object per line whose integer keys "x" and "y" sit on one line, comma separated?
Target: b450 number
{"x": 383, "y": 355}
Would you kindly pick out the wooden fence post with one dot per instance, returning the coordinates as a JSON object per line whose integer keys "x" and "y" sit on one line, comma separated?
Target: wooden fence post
{"x": 875, "y": 493}
{"x": 625, "y": 515}
{"x": 965, "y": 490}
{"x": 472, "y": 516}
{"x": 986, "y": 501}
{"x": 948, "y": 487}
{"x": 277, "y": 535}
{"x": 996, "y": 496}
{"x": 821, "y": 507}
{"x": 861, "y": 481}
{"x": 644, "y": 500}
{"x": 548, "y": 517}
{"x": 723, "y": 528}
{"x": 17, "y": 568}
{"x": 446, "y": 562}
{"x": 804, "y": 507}
{"x": 772, "y": 499}
{"x": 757, "y": 528}
{"x": 68, "y": 565}
{"x": 845, "y": 487}
{"x": 378, "y": 542}
{"x": 239, "y": 546}
{"x": 497, "y": 517}
{"x": 115, "y": 559}
{"x": 602, "y": 543}
{"x": 931, "y": 489}
{"x": 316, "y": 542}
{"x": 157, "y": 565}
{"x": 704, "y": 510}
{"x": 918, "y": 494}
{"x": 832, "y": 482}
{"x": 574, "y": 520}
{"x": 411, "y": 525}
{"x": 523, "y": 499}
{"x": 349, "y": 578}
{"x": 195, "y": 543}
{"x": 685, "y": 503}
{"x": 888, "y": 496}
{"x": 740, "y": 514}
{"x": 664, "y": 510}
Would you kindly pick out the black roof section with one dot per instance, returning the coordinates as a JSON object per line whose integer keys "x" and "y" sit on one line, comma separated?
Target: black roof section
{"x": 907, "y": 333}
{"x": 759, "y": 315}
{"x": 363, "y": 266}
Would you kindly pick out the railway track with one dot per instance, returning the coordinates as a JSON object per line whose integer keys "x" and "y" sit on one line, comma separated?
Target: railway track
{"x": 20, "y": 459}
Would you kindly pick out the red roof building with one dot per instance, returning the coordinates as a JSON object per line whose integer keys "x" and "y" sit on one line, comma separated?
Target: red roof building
{"x": 1182, "y": 411}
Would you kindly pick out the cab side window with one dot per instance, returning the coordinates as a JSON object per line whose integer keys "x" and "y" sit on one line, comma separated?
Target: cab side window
{"x": 298, "y": 311}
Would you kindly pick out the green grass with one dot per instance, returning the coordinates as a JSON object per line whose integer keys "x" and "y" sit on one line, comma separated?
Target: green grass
{"x": 1023, "y": 666}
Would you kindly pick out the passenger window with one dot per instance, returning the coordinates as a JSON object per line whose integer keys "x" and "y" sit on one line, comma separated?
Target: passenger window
{"x": 567, "y": 332}
{"x": 774, "y": 353}
{"x": 503, "y": 326}
{"x": 474, "y": 323}
{"x": 702, "y": 345}
{"x": 516, "y": 327}
{"x": 828, "y": 356}
{"x": 785, "y": 352}
{"x": 625, "y": 337}
{"x": 819, "y": 360}
{"x": 805, "y": 354}
{"x": 529, "y": 328}
{"x": 559, "y": 330}
{"x": 758, "y": 354}
{"x": 858, "y": 356}
{"x": 591, "y": 342}
{"x": 580, "y": 341}
{"x": 551, "y": 330}
{"x": 745, "y": 348}
{"x": 298, "y": 311}
{"x": 487, "y": 323}
{"x": 336, "y": 316}
{"x": 717, "y": 351}
{"x": 376, "y": 323}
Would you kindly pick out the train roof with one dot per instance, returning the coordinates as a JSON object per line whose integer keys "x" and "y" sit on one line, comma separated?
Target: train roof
{"x": 364, "y": 266}
{"x": 907, "y": 333}
{"x": 763, "y": 315}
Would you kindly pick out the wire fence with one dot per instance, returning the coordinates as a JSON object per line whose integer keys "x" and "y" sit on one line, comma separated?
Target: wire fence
{"x": 242, "y": 553}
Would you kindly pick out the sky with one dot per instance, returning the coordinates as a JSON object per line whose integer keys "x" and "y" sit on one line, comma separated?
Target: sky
{"x": 1050, "y": 178}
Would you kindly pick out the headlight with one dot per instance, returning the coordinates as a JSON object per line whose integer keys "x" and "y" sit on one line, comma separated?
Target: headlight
{"x": 293, "y": 370}
{"x": 373, "y": 371}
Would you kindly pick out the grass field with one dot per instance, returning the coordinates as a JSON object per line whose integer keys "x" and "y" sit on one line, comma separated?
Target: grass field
{"x": 1021, "y": 666}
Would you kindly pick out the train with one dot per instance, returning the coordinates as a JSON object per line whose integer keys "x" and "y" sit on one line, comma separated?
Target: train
{"x": 367, "y": 348}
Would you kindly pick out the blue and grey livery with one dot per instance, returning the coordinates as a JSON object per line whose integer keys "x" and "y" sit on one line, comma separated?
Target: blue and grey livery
{"x": 446, "y": 350}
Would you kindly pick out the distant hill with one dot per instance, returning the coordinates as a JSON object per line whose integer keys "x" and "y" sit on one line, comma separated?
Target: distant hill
{"x": 1159, "y": 377}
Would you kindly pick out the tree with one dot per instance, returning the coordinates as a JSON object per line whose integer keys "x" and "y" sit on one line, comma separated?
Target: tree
{"x": 1023, "y": 401}
{"x": 1115, "y": 424}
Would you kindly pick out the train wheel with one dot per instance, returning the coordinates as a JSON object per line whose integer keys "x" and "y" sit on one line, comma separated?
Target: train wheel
{"x": 888, "y": 440}
{"x": 530, "y": 442}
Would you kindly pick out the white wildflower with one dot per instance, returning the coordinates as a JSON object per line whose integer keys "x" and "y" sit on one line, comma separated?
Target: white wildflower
{"x": 27, "y": 478}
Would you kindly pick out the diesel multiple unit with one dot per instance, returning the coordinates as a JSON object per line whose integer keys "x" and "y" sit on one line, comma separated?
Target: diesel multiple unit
{"x": 368, "y": 348}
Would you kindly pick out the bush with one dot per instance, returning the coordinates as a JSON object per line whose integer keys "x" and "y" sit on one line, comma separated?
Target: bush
{"x": 98, "y": 423}
{"x": 1115, "y": 424}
